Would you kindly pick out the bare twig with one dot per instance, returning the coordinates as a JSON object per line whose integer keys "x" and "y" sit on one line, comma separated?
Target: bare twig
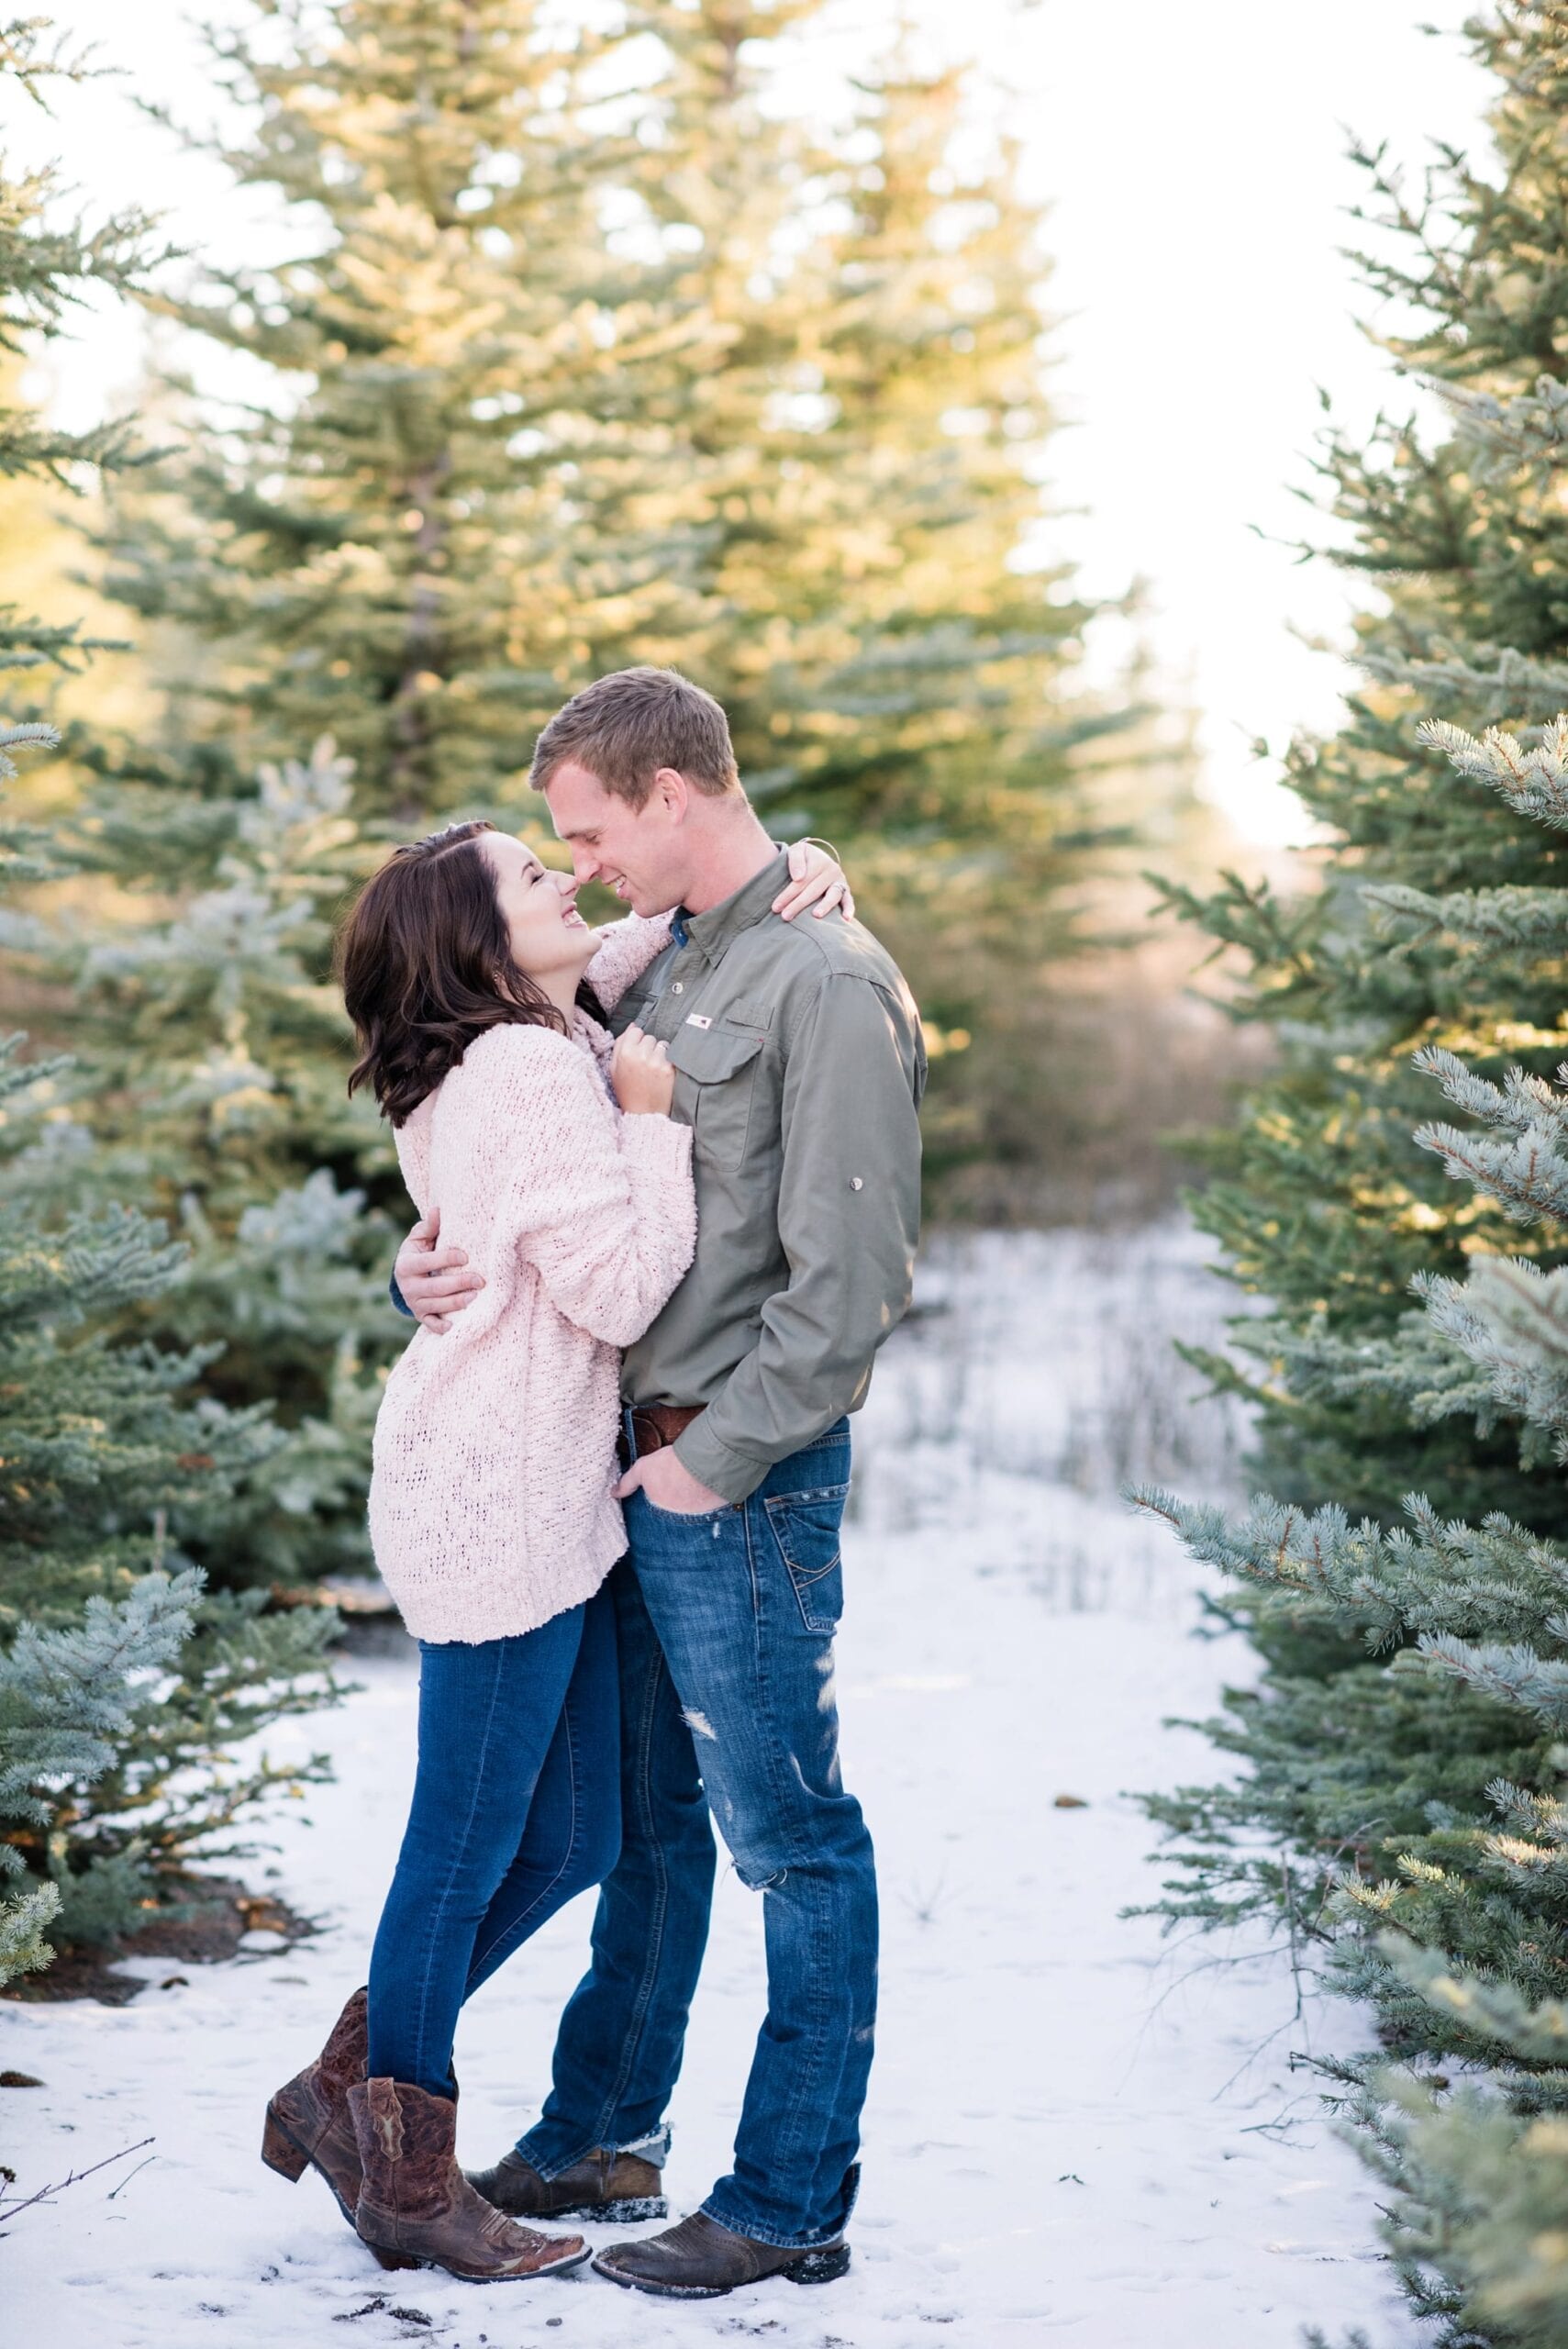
{"x": 74, "y": 2178}
{"x": 129, "y": 2176}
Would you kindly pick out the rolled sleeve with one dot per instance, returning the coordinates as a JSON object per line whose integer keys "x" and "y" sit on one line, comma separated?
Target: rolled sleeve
{"x": 849, "y": 1222}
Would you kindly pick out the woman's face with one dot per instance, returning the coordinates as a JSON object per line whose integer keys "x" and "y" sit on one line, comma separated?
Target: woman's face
{"x": 549, "y": 935}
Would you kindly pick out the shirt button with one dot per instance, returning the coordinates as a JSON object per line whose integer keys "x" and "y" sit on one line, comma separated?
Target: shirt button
{"x": 855, "y": 1183}
{"x": 679, "y": 988}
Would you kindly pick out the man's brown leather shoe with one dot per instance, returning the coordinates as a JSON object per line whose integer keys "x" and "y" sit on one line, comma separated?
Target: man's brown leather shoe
{"x": 620, "y": 2187}
{"x": 700, "y": 2260}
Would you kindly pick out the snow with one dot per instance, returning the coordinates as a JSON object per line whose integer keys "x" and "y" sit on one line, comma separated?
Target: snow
{"x": 1077, "y": 2130}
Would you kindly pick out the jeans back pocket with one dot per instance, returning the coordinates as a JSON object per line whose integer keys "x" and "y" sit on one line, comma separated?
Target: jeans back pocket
{"x": 807, "y": 1528}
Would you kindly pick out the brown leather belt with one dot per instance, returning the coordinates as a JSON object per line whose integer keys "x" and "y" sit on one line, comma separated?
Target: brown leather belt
{"x": 656, "y": 1424}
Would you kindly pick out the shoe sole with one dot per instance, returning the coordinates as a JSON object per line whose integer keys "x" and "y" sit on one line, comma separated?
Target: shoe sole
{"x": 811, "y": 2267}
{"x": 481, "y": 2276}
{"x": 627, "y": 2213}
{"x": 283, "y": 2152}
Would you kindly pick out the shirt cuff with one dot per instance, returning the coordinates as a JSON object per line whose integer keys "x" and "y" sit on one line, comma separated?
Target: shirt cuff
{"x": 733, "y": 1476}
{"x": 658, "y": 1142}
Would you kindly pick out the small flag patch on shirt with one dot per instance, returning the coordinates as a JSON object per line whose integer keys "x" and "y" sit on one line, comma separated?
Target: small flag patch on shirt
{"x": 698, "y": 1020}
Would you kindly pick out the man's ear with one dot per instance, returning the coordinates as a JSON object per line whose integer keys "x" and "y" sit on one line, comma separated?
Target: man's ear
{"x": 671, "y": 792}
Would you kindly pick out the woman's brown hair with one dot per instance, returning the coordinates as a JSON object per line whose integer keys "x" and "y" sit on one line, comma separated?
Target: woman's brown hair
{"x": 426, "y": 965}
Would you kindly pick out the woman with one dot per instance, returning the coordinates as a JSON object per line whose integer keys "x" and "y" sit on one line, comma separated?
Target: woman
{"x": 555, "y": 1163}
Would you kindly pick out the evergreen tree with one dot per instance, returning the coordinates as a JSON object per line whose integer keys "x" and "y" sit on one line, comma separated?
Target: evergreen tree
{"x": 1405, "y": 1750}
{"x": 120, "y": 1683}
{"x": 862, "y": 435}
{"x": 1425, "y": 1792}
{"x": 418, "y": 556}
{"x": 228, "y": 1110}
{"x": 1324, "y": 1202}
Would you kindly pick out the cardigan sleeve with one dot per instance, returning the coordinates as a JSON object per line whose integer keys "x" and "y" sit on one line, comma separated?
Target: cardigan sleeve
{"x": 625, "y": 950}
{"x": 602, "y": 1206}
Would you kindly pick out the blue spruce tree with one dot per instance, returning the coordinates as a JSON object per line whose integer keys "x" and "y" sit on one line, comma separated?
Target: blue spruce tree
{"x": 122, "y": 1683}
{"x": 1405, "y": 1577}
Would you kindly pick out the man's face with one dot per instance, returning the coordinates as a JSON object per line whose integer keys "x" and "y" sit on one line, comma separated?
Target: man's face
{"x": 636, "y": 851}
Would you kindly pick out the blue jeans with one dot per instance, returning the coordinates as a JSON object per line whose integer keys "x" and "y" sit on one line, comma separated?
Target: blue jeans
{"x": 725, "y": 1624}
{"x": 517, "y": 1807}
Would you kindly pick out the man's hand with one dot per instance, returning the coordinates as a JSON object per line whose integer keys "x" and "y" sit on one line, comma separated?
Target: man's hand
{"x": 668, "y": 1484}
{"x": 435, "y": 1282}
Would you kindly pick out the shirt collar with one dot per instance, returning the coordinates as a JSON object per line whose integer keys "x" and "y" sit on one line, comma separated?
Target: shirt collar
{"x": 712, "y": 931}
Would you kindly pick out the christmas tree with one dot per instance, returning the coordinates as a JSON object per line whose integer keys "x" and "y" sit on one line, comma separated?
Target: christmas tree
{"x": 224, "y": 1050}
{"x": 121, "y": 1682}
{"x": 1405, "y": 1581}
{"x": 1324, "y": 1201}
{"x": 419, "y": 557}
{"x": 862, "y": 434}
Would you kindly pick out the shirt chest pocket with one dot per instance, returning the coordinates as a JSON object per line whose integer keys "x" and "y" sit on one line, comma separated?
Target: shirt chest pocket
{"x": 716, "y": 1076}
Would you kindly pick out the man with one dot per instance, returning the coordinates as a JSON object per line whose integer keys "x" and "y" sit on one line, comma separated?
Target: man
{"x": 799, "y": 1066}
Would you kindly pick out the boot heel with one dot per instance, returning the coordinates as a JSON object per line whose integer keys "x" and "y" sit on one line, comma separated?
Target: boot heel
{"x": 280, "y": 2152}
{"x": 391, "y": 2258}
{"x": 385, "y": 2255}
{"x": 822, "y": 2266}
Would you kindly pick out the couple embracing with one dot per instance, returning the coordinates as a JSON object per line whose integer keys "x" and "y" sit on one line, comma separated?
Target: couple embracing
{"x": 667, "y": 1175}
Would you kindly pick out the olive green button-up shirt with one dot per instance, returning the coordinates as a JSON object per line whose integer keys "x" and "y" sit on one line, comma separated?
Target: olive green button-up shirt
{"x": 799, "y": 1067}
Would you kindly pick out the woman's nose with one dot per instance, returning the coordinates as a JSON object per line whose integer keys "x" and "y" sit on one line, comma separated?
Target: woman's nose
{"x": 568, "y": 885}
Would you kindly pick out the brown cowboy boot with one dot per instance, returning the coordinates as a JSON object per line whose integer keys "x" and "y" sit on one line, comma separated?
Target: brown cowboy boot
{"x": 603, "y": 2185}
{"x": 414, "y": 2198}
{"x": 308, "y": 2121}
{"x": 700, "y": 2260}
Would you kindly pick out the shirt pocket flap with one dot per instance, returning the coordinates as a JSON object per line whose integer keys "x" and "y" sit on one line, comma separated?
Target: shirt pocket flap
{"x": 711, "y": 1055}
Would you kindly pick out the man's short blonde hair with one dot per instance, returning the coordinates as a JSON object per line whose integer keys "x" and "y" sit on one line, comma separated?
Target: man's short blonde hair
{"x": 625, "y": 727}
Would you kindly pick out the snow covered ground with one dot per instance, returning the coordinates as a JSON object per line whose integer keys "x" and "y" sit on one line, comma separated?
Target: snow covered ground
{"x": 1078, "y": 2131}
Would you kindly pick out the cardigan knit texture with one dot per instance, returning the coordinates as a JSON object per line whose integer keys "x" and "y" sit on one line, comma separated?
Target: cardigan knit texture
{"x": 492, "y": 1499}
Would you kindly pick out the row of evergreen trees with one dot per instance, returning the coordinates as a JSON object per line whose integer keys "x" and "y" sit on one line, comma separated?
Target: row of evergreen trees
{"x": 575, "y": 350}
{"x": 125, "y": 1682}
{"x": 1399, "y": 1192}
{"x": 583, "y": 354}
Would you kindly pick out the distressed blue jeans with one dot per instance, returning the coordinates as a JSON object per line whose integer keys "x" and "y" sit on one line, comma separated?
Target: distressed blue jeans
{"x": 517, "y": 1807}
{"x": 725, "y": 1628}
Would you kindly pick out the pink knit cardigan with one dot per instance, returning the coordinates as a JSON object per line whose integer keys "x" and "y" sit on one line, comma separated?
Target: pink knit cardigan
{"x": 492, "y": 1501}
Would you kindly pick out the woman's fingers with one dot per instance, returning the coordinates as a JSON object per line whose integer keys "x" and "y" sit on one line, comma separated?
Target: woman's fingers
{"x": 816, "y": 880}
{"x": 634, "y": 1044}
{"x": 458, "y": 1282}
{"x": 441, "y": 1260}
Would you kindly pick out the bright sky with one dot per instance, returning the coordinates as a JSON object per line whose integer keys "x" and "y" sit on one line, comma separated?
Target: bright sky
{"x": 1194, "y": 160}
